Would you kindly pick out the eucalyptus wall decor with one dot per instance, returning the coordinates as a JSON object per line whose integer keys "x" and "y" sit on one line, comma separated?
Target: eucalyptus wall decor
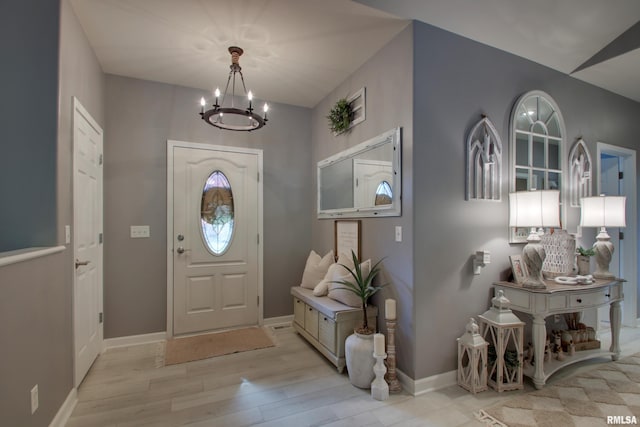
{"x": 340, "y": 116}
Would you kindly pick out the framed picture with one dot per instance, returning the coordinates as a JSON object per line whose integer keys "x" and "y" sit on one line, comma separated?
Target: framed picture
{"x": 519, "y": 268}
{"x": 347, "y": 237}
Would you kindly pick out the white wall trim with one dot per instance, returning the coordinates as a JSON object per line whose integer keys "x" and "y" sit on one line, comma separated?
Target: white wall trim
{"x": 425, "y": 385}
{"x": 134, "y": 340}
{"x": 65, "y": 411}
{"x": 279, "y": 321}
{"x": 19, "y": 255}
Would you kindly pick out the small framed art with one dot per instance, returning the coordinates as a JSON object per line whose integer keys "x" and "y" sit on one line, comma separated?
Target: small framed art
{"x": 347, "y": 237}
{"x": 519, "y": 268}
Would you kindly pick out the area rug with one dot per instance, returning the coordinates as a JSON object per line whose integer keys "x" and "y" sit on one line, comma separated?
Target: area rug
{"x": 608, "y": 394}
{"x": 180, "y": 350}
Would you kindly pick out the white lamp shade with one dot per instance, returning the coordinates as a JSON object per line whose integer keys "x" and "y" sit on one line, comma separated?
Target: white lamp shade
{"x": 534, "y": 208}
{"x": 603, "y": 211}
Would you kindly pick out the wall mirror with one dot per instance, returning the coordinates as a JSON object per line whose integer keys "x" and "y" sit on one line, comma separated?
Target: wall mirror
{"x": 362, "y": 181}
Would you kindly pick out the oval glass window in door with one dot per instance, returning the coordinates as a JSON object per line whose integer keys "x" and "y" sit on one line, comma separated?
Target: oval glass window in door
{"x": 217, "y": 213}
{"x": 384, "y": 194}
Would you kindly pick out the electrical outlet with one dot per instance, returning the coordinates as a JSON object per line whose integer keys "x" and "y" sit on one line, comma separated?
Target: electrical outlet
{"x": 34, "y": 399}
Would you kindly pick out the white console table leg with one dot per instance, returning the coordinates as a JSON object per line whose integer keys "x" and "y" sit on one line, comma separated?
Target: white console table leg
{"x": 615, "y": 317}
{"x": 539, "y": 331}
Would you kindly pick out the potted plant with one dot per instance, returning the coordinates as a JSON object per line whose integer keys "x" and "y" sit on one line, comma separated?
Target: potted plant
{"x": 583, "y": 260}
{"x": 340, "y": 116}
{"x": 359, "y": 346}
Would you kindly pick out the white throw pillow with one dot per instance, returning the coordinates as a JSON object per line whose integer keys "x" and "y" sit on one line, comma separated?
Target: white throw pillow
{"x": 315, "y": 269}
{"x": 339, "y": 292}
{"x": 322, "y": 289}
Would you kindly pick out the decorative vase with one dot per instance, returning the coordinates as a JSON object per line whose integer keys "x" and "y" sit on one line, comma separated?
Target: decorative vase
{"x": 584, "y": 265}
{"x": 360, "y": 360}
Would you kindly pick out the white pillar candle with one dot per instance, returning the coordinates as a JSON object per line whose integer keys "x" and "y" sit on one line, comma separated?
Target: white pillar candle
{"x": 378, "y": 344}
{"x": 390, "y": 309}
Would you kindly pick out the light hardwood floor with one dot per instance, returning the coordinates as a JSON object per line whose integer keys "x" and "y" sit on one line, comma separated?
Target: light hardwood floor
{"x": 290, "y": 384}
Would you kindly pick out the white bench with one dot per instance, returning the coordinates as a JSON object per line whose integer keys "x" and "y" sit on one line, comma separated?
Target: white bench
{"x": 327, "y": 323}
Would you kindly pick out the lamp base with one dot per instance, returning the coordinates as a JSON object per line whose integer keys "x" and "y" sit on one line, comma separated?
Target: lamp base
{"x": 604, "y": 252}
{"x": 533, "y": 255}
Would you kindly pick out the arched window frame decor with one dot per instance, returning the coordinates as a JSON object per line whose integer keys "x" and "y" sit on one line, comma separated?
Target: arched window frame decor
{"x": 580, "y": 173}
{"x": 484, "y": 162}
{"x": 543, "y": 132}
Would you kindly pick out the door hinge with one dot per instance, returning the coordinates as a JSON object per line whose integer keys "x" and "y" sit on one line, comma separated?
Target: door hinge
{"x": 100, "y": 238}
{"x": 620, "y": 175}
{"x": 100, "y": 317}
{"x": 258, "y": 238}
{"x": 258, "y": 300}
{"x": 621, "y": 235}
{"x": 100, "y": 159}
{"x": 258, "y": 176}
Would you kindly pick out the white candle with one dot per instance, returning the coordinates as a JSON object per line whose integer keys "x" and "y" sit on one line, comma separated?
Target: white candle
{"x": 378, "y": 344}
{"x": 390, "y": 309}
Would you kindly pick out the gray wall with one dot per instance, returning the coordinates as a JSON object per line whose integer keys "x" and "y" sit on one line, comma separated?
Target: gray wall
{"x": 460, "y": 80}
{"x": 388, "y": 78}
{"x": 141, "y": 116}
{"x": 28, "y": 84}
{"x": 35, "y": 296}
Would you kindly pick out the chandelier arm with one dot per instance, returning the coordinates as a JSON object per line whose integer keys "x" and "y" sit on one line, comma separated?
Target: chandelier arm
{"x": 224, "y": 96}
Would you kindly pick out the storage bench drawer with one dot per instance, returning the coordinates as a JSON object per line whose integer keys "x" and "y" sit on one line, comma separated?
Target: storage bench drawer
{"x": 311, "y": 321}
{"x": 298, "y": 311}
{"x": 327, "y": 332}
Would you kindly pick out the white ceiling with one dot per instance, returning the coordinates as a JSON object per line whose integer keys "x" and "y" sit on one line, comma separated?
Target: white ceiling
{"x": 297, "y": 51}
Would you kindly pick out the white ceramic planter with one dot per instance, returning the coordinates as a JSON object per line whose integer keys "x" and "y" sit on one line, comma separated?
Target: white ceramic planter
{"x": 360, "y": 360}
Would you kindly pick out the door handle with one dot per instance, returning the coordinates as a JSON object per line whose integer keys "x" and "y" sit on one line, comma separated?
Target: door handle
{"x": 79, "y": 263}
{"x": 180, "y": 250}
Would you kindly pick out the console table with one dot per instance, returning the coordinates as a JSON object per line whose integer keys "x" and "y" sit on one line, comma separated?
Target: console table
{"x": 559, "y": 299}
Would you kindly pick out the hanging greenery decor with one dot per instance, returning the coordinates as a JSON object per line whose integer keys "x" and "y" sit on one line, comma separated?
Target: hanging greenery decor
{"x": 340, "y": 116}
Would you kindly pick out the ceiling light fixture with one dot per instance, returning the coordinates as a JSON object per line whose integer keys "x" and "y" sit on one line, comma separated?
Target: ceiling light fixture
{"x": 232, "y": 118}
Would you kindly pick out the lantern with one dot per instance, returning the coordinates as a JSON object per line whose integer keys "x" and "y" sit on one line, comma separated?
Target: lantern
{"x": 472, "y": 359}
{"x": 504, "y": 333}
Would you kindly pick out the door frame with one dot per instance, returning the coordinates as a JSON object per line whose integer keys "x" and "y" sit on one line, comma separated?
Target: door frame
{"x": 628, "y": 157}
{"x": 171, "y": 144}
{"x": 79, "y": 110}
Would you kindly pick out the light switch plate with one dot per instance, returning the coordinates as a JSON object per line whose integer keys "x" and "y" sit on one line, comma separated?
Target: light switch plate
{"x": 67, "y": 234}
{"x": 398, "y": 233}
{"x": 140, "y": 231}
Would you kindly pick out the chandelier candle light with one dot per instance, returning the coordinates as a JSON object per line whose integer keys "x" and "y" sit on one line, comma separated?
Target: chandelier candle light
{"x": 230, "y": 117}
{"x": 603, "y": 211}
{"x": 534, "y": 209}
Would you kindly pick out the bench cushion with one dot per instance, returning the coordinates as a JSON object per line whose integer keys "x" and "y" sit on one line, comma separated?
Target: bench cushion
{"x": 324, "y": 305}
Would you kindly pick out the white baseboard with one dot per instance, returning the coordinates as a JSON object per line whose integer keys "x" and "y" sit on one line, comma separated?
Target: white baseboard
{"x": 134, "y": 340}
{"x": 65, "y": 411}
{"x": 278, "y": 321}
{"x": 425, "y": 385}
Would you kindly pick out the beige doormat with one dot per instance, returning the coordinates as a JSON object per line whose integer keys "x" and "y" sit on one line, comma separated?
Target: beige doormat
{"x": 587, "y": 399}
{"x": 180, "y": 350}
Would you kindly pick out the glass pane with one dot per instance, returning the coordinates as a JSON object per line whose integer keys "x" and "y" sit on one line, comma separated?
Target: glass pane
{"x": 553, "y": 127}
{"x": 554, "y": 154}
{"x": 384, "y": 195}
{"x": 538, "y": 152}
{"x": 522, "y": 149}
{"x": 531, "y": 108}
{"x": 538, "y": 181}
{"x": 522, "y": 119}
{"x": 539, "y": 128}
{"x": 217, "y": 213}
{"x": 545, "y": 110}
{"x": 522, "y": 179}
{"x": 554, "y": 181}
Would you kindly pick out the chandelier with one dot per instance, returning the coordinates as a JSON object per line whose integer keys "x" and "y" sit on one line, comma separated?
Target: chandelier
{"x": 230, "y": 117}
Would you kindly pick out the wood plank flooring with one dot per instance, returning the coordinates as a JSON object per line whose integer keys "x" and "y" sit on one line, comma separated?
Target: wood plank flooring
{"x": 290, "y": 384}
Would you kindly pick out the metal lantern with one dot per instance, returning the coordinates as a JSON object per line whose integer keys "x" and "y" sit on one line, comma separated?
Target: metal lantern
{"x": 504, "y": 333}
{"x": 472, "y": 359}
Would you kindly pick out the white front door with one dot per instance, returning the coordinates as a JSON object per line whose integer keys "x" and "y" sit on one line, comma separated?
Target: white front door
{"x": 370, "y": 176}
{"x": 87, "y": 244}
{"x": 214, "y": 240}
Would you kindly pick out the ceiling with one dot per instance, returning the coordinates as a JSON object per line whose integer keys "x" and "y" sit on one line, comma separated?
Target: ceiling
{"x": 298, "y": 51}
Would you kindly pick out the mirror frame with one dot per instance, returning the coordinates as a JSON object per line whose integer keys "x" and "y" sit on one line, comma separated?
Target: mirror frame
{"x": 392, "y": 136}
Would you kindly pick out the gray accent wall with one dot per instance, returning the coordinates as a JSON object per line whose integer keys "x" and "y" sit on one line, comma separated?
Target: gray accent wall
{"x": 141, "y": 117}
{"x": 36, "y": 296}
{"x": 456, "y": 81}
{"x": 388, "y": 78}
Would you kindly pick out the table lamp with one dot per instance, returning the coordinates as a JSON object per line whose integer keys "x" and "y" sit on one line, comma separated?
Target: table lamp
{"x": 603, "y": 211}
{"x": 534, "y": 209}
